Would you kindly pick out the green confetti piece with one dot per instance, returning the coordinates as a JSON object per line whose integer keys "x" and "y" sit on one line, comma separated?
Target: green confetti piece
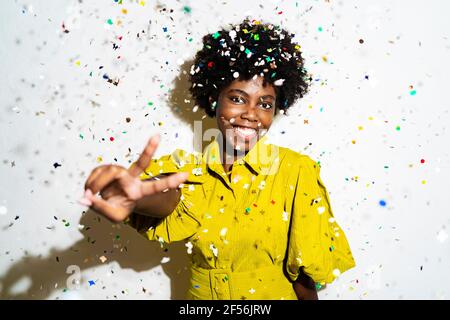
{"x": 397, "y": 128}
{"x": 109, "y": 21}
{"x": 187, "y": 9}
{"x": 247, "y": 210}
{"x": 81, "y": 136}
{"x": 318, "y": 286}
{"x": 320, "y": 29}
{"x": 413, "y": 92}
{"x": 256, "y": 37}
{"x": 216, "y": 35}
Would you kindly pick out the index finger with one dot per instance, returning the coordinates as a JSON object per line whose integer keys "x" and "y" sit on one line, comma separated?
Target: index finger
{"x": 146, "y": 156}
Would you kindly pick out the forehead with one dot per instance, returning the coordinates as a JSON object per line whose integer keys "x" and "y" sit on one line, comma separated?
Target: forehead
{"x": 252, "y": 86}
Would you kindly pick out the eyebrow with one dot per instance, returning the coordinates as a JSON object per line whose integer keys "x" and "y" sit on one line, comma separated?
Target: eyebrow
{"x": 246, "y": 94}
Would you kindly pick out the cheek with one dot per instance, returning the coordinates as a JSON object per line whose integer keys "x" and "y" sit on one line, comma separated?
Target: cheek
{"x": 229, "y": 113}
{"x": 266, "y": 120}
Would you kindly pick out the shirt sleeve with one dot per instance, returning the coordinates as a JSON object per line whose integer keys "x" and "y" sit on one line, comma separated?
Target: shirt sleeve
{"x": 316, "y": 242}
{"x": 182, "y": 223}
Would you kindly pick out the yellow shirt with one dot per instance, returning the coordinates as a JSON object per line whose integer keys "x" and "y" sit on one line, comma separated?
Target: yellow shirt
{"x": 249, "y": 232}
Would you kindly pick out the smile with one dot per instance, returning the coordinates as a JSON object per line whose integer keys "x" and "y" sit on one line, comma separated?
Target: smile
{"x": 244, "y": 132}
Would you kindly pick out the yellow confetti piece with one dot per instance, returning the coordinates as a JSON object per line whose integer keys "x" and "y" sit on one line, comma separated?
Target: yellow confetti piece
{"x": 142, "y": 3}
{"x": 78, "y": 63}
{"x": 360, "y": 128}
{"x": 124, "y": 11}
{"x": 353, "y": 141}
{"x": 370, "y": 118}
{"x": 99, "y": 159}
{"x": 325, "y": 59}
{"x": 424, "y": 181}
{"x": 160, "y": 123}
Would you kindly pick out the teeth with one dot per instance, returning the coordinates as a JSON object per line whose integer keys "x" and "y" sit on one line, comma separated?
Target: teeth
{"x": 245, "y": 131}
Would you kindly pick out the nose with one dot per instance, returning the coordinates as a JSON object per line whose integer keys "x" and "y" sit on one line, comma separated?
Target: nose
{"x": 250, "y": 113}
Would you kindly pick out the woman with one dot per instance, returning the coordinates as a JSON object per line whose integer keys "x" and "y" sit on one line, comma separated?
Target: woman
{"x": 255, "y": 217}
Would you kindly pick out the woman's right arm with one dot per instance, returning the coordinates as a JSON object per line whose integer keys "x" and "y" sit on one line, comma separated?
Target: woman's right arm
{"x": 158, "y": 205}
{"x": 122, "y": 192}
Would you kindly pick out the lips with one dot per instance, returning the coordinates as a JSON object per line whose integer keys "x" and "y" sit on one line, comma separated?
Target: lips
{"x": 245, "y": 133}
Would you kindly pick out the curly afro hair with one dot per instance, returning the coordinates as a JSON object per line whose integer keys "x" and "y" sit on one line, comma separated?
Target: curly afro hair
{"x": 248, "y": 50}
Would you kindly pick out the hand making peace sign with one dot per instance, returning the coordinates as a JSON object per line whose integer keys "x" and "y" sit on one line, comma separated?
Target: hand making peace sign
{"x": 121, "y": 188}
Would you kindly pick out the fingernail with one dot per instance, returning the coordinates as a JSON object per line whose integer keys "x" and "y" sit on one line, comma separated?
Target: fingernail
{"x": 85, "y": 202}
{"x": 88, "y": 194}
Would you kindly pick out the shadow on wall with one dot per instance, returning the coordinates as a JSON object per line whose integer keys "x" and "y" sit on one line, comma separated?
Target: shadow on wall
{"x": 184, "y": 110}
{"x": 116, "y": 242}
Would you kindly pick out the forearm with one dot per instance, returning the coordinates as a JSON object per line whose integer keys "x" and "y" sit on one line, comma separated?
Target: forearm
{"x": 159, "y": 205}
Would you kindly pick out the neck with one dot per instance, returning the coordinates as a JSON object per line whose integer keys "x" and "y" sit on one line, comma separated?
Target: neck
{"x": 230, "y": 155}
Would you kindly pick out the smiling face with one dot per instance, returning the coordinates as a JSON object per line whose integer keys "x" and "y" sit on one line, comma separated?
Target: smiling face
{"x": 245, "y": 112}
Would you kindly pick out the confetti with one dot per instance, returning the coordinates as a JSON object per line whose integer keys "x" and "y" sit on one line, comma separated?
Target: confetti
{"x": 214, "y": 249}
{"x": 165, "y": 260}
{"x": 189, "y": 247}
{"x": 279, "y": 82}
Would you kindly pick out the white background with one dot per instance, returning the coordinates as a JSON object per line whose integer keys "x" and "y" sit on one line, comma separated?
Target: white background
{"x": 361, "y": 120}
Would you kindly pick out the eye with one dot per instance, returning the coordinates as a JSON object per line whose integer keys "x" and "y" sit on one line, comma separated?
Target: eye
{"x": 266, "y": 105}
{"x": 236, "y": 99}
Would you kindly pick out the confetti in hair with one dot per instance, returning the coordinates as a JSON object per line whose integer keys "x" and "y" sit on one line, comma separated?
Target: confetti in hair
{"x": 243, "y": 52}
